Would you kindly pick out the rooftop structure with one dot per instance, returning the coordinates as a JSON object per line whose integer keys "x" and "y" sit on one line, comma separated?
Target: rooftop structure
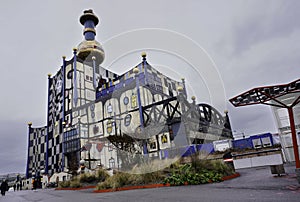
{"x": 90, "y": 48}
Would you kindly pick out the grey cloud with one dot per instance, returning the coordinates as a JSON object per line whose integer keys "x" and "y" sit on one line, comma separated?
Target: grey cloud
{"x": 252, "y": 119}
{"x": 270, "y": 19}
{"x": 13, "y": 146}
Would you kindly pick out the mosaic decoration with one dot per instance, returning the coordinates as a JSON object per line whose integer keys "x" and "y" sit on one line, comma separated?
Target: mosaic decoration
{"x": 152, "y": 144}
{"x": 37, "y": 151}
{"x": 100, "y": 146}
{"x": 161, "y": 83}
{"x": 126, "y": 100}
{"x": 55, "y": 119}
{"x": 164, "y": 140}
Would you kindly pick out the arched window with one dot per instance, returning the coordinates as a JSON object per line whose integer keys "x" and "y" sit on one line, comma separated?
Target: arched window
{"x": 111, "y": 162}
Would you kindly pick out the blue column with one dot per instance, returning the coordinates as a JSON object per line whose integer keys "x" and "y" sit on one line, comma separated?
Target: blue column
{"x": 137, "y": 80}
{"x": 89, "y": 30}
{"x": 75, "y": 92}
{"x": 47, "y": 136}
{"x": 28, "y": 161}
{"x": 63, "y": 111}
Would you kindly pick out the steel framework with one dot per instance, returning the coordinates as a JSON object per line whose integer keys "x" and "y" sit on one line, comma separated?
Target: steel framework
{"x": 282, "y": 96}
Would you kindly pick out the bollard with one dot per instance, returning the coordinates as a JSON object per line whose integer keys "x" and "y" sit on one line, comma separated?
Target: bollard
{"x": 298, "y": 174}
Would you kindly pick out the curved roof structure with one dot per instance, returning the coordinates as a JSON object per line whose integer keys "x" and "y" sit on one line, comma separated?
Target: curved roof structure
{"x": 284, "y": 95}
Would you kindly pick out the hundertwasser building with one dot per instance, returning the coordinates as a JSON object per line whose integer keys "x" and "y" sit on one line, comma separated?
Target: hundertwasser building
{"x": 114, "y": 119}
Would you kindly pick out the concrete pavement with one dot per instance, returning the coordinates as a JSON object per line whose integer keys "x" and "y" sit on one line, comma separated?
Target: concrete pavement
{"x": 261, "y": 178}
{"x": 254, "y": 184}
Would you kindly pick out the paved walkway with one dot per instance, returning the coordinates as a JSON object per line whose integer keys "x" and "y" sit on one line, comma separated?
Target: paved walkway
{"x": 261, "y": 178}
{"x": 254, "y": 184}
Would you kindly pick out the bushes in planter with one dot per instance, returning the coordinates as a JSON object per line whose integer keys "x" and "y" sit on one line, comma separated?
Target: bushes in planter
{"x": 125, "y": 179}
{"x": 198, "y": 172}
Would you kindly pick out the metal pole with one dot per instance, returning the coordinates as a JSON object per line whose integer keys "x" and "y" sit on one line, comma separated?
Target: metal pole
{"x": 116, "y": 133}
{"x": 89, "y": 156}
{"x": 118, "y": 148}
{"x": 139, "y": 100}
{"x": 294, "y": 138}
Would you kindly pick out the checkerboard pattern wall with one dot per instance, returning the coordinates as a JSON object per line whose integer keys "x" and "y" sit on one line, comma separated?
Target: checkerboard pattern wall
{"x": 37, "y": 150}
{"x": 55, "y": 119}
{"x": 160, "y": 82}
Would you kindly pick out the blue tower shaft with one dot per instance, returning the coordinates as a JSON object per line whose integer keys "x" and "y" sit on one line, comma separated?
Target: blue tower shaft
{"x": 89, "y": 30}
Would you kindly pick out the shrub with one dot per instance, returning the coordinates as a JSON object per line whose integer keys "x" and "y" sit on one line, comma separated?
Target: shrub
{"x": 64, "y": 184}
{"x": 221, "y": 167}
{"x": 87, "y": 178}
{"x": 115, "y": 181}
{"x": 193, "y": 178}
{"x": 107, "y": 184}
{"x": 75, "y": 183}
{"x": 152, "y": 178}
{"x": 213, "y": 165}
{"x": 124, "y": 179}
{"x": 198, "y": 172}
{"x": 101, "y": 175}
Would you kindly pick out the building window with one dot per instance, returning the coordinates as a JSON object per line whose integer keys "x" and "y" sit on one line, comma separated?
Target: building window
{"x": 110, "y": 147}
{"x": 112, "y": 163}
{"x": 127, "y": 120}
{"x": 109, "y": 108}
{"x": 126, "y": 100}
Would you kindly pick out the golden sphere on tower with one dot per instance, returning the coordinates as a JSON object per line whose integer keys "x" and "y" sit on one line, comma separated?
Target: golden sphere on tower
{"x": 143, "y": 54}
{"x": 89, "y": 49}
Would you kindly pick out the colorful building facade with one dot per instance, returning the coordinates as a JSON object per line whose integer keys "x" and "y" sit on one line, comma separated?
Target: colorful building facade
{"x": 111, "y": 120}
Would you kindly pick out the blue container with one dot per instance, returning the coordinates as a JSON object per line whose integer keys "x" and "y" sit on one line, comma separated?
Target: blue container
{"x": 242, "y": 143}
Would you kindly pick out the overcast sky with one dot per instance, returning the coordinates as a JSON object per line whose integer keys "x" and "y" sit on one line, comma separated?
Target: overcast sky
{"x": 250, "y": 43}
